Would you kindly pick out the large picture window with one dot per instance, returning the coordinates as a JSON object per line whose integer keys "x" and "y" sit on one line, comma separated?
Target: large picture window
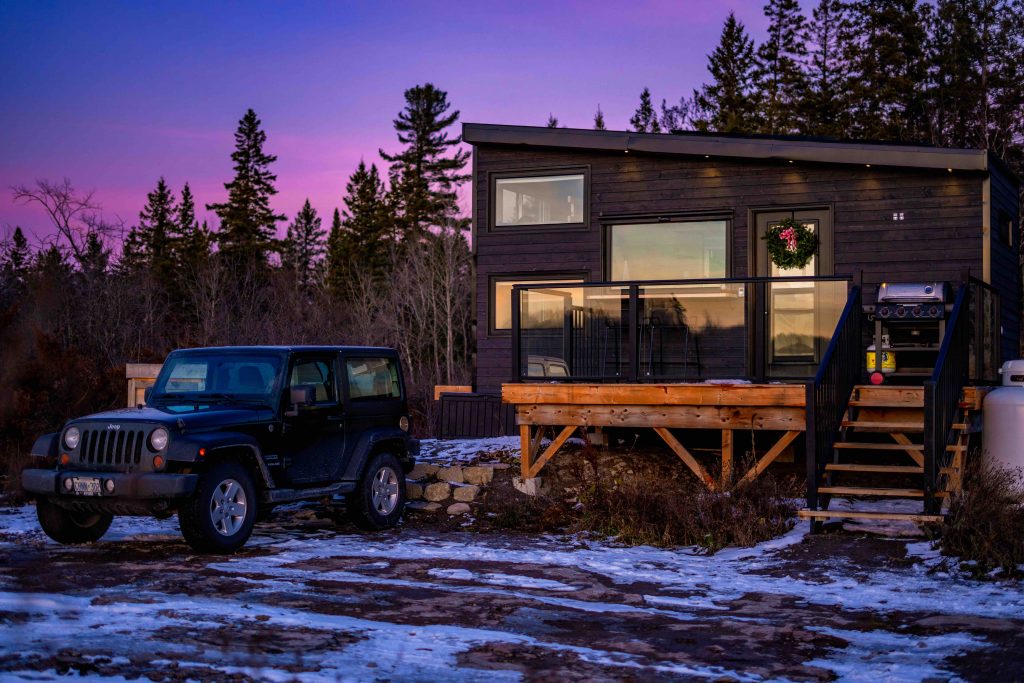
{"x": 501, "y": 299}
{"x": 676, "y": 250}
{"x": 540, "y": 200}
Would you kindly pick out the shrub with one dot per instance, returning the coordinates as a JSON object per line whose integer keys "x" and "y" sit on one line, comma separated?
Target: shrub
{"x": 985, "y": 524}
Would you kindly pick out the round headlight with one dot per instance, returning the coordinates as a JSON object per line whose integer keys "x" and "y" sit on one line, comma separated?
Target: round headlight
{"x": 71, "y": 438}
{"x": 158, "y": 439}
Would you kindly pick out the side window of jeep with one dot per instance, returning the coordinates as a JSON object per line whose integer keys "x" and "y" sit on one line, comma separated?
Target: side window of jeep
{"x": 317, "y": 373}
{"x": 372, "y": 379}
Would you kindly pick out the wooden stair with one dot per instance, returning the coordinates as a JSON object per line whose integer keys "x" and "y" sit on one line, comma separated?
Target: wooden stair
{"x": 882, "y": 423}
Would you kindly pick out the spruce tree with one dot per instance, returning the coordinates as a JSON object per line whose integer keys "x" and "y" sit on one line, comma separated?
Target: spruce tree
{"x": 95, "y": 259}
{"x": 829, "y": 37}
{"x": 338, "y": 259}
{"x": 644, "y": 120}
{"x": 191, "y": 242}
{"x": 367, "y": 224}
{"x": 889, "y": 70}
{"x": 150, "y": 245}
{"x": 552, "y": 121}
{"x": 780, "y": 79}
{"x": 726, "y": 104}
{"x": 17, "y": 256}
{"x": 599, "y": 119}
{"x": 425, "y": 175}
{"x": 248, "y": 225}
{"x": 304, "y": 246}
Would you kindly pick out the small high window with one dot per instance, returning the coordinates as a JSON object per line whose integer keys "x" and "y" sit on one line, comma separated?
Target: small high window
{"x": 539, "y": 200}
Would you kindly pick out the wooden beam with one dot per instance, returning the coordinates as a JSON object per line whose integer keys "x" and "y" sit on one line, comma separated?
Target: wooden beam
{"x": 451, "y": 389}
{"x": 727, "y": 458}
{"x": 852, "y": 514}
{"x": 769, "y": 457}
{"x": 550, "y": 452}
{"x": 914, "y": 452}
{"x": 785, "y": 395}
{"x": 682, "y": 417}
{"x": 525, "y": 450}
{"x": 686, "y": 457}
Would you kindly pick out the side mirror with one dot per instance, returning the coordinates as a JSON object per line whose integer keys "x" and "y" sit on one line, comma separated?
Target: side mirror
{"x": 301, "y": 396}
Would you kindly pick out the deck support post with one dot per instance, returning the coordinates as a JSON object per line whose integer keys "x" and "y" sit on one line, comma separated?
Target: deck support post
{"x": 727, "y": 459}
{"x": 769, "y": 457}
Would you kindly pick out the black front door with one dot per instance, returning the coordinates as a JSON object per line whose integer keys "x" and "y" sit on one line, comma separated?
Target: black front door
{"x": 313, "y": 438}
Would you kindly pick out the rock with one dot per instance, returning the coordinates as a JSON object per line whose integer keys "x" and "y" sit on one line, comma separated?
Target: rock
{"x": 458, "y": 508}
{"x": 495, "y": 465}
{"x": 452, "y": 474}
{"x": 420, "y": 506}
{"x": 437, "y": 491}
{"x": 465, "y": 494}
{"x": 413, "y": 490}
{"x": 480, "y": 476}
{"x": 422, "y": 470}
{"x": 530, "y": 487}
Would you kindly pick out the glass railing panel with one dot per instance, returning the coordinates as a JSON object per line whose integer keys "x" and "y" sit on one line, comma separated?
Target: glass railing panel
{"x": 690, "y": 332}
{"x": 574, "y": 332}
{"x": 802, "y": 317}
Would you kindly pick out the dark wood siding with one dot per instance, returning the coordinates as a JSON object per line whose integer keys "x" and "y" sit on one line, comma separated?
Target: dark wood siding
{"x": 1005, "y": 270}
{"x": 939, "y": 237}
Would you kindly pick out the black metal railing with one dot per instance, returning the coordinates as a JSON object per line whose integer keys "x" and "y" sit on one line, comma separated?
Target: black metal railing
{"x": 677, "y": 330}
{"x": 828, "y": 394}
{"x": 942, "y": 393}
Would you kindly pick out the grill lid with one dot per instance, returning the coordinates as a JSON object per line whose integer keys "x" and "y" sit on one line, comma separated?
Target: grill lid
{"x": 912, "y": 292}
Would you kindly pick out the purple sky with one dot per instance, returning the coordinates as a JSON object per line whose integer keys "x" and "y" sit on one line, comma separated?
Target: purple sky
{"x": 114, "y": 95}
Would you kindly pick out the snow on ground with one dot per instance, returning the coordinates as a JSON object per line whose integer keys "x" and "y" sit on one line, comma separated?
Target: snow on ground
{"x": 320, "y": 583}
{"x": 457, "y": 451}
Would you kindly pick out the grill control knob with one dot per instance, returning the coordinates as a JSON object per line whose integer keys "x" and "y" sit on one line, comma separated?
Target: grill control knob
{"x": 901, "y": 312}
{"x": 883, "y": 312}
{"x": 916, "y": 311}
{"x": 934, "y": 311}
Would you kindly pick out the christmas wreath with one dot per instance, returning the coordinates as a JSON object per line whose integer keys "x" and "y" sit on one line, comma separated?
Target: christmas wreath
{"x": 790, "y": 244}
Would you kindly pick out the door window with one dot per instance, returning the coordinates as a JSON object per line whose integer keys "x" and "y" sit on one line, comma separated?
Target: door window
{"x": 317, "y": 373}
{"x": 372, "y": 378}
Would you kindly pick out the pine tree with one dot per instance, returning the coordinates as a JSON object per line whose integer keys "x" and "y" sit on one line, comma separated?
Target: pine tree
{"x": 17, "y": 256}
{"x": 338, "y": 259}
{"x": 95, "y": 260}
{"x": 726, "y": 105}
{"x": 644, "y": 120}
{"x": 304, "y": 246}
{"x": 367, "y": 224}
{"x": 889, "y": 69}
{"x": 599, "y": 119}
{"x": 248, "y": 225}
{"x": 552, "y": 121}
{"x": 780, "y": 79}
{"x": 190, "y": 241}
{"x": 829, "y": 36}
{"x": 425, "y": 175}
{"x": 149, "y": 244}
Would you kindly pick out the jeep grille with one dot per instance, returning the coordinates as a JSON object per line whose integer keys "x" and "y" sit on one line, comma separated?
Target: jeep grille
{"x": 105, "y": 447}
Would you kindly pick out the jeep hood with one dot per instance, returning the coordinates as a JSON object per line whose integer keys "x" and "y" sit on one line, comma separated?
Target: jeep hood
{"x": 183, "y": 417}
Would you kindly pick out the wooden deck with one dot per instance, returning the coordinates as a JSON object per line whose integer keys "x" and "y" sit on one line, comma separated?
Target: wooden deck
{"x": 661, "y": 407}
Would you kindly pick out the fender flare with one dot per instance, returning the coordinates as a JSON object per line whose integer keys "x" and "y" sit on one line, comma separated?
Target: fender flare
{"x": 368, "y": 441}
{"x": 46, "y": 446}
{"x": 186, "y": 449}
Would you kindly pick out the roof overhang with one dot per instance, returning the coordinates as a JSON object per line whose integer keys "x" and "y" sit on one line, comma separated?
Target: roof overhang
{"x": 684, "y": 144}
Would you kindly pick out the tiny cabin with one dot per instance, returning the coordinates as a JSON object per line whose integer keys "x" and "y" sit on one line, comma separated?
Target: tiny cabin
{"x": 627, "y": 279}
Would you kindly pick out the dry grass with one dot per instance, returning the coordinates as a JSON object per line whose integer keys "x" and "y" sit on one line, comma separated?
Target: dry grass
{"x": 985, "y": 524}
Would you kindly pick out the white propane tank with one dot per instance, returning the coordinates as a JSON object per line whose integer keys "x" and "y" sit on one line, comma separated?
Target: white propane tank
{"x": 1004, "y": 418}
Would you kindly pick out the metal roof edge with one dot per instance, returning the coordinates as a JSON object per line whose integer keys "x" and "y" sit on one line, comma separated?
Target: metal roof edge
{"x": 731, "y": 147}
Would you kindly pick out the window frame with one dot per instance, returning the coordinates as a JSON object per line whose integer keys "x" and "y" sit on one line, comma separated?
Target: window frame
{"x": 548, "y": 277}
{"x": 537, "y": 172}
{"x": 608, "y": 223}
{"x": 330, "y": 360}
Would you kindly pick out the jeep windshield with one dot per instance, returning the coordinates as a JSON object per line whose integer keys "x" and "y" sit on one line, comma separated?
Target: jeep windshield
{"x": 194, "y": 380}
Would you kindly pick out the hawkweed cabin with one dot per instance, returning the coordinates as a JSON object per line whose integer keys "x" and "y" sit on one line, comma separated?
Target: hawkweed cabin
{"x": 625, "y": 280}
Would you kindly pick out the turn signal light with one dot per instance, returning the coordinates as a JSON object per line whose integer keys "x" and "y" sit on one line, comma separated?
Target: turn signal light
{"x": 158, "y": 463}
{"x": 65, "y": 459}
{"x": 202, "y": 452}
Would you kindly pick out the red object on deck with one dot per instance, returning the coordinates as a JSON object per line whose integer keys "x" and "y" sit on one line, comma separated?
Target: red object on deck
{"x": 877, "y": 378}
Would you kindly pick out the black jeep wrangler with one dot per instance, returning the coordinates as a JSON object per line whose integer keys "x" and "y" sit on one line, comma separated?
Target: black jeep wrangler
{"x": 228, "y": 433}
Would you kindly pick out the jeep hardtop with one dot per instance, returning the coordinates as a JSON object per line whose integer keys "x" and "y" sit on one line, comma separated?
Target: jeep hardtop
{"x": 226, "y": 434}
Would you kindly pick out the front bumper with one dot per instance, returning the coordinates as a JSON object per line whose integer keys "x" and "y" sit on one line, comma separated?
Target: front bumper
{"x": 130, "y": 486}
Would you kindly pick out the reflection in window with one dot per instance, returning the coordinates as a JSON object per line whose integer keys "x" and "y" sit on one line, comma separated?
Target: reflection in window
{"x": 317, "y": 374}
{"x": 544, "y": 200}
{"x": 372, "y": 378}
{"x": 551, "y": 308}
{"x": 680, "y": 250}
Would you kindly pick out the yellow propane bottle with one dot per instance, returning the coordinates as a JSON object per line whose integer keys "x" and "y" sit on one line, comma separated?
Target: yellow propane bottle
{"x": 888, "y": 359}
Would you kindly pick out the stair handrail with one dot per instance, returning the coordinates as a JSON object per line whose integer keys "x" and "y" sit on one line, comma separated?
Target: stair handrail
{"x": 942, "y": 394}
{"x": 828, "y": 394}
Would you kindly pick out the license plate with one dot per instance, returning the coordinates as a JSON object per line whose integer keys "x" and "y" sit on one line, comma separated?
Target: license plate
{"x": 85, "y": 486}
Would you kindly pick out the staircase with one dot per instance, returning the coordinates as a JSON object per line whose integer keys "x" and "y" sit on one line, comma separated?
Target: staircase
{"x": 879, "y": 455}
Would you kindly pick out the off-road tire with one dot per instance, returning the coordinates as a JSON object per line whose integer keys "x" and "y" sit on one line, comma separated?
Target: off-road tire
{"x": 362, "y": 509}
{"x": 71, "y": 527}
{"x": 200, "y": 515}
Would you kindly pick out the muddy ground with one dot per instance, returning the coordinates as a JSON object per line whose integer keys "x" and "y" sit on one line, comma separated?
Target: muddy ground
{"x": 311, "y": 598}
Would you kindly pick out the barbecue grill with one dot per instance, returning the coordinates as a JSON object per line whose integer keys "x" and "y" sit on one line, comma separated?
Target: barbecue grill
{"x": 909, "y": 323}
{"x": 915, "y": 301}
